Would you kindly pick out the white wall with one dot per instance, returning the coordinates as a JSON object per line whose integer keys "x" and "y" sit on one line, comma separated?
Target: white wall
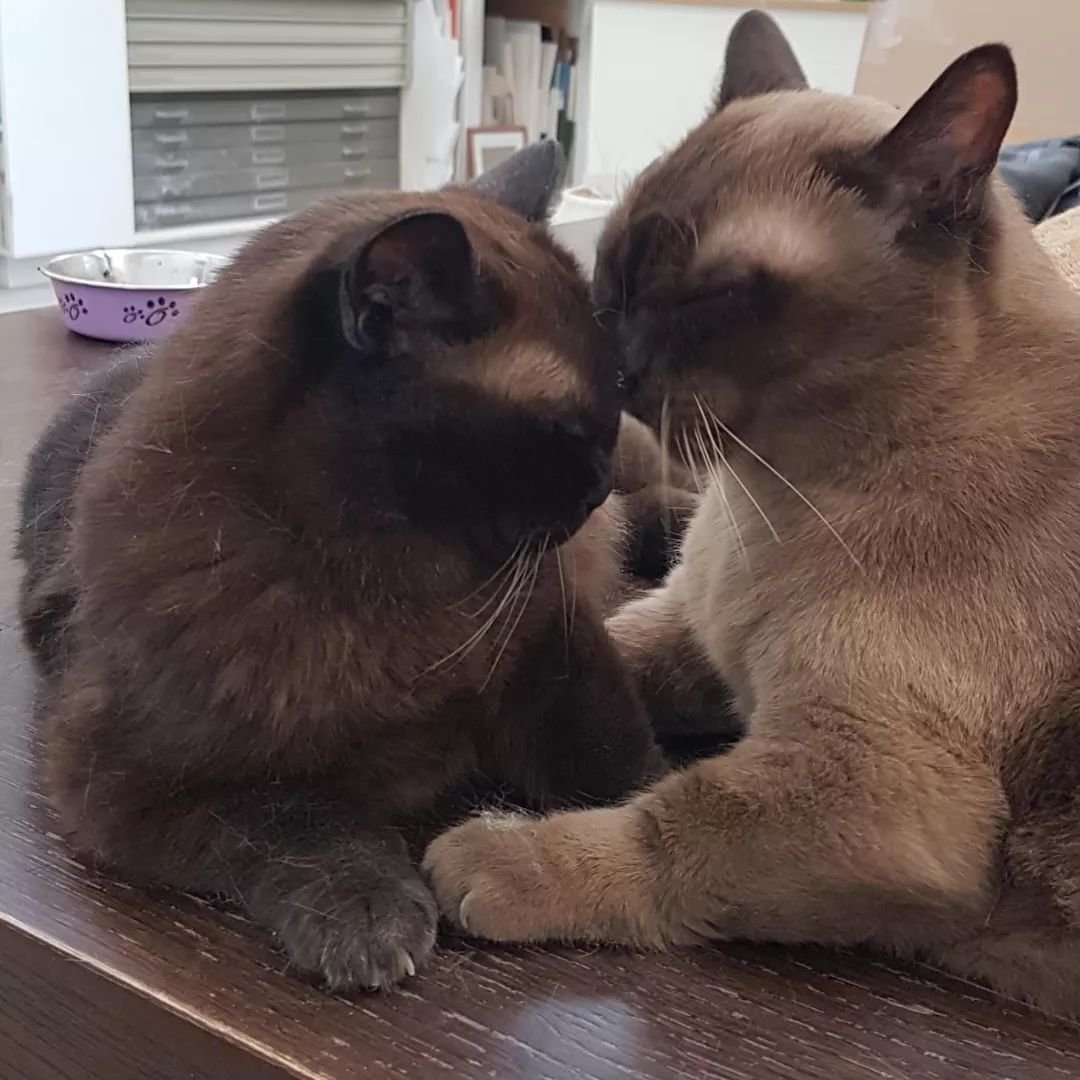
{"x": 67, "y": 139}
{"x": 652, "y": 67}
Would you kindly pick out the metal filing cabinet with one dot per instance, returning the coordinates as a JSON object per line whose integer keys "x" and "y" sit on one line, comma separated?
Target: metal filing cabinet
{"x": 318, "y": 112}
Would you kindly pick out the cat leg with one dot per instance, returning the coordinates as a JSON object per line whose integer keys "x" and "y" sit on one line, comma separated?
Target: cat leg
{"x": 817, "y": 827}
{"x": 656, "y": 519}
{"x": 570, "y": 728}
{"x": 343, "y": 899}
{"x": 1040, "y": 966}
{"x": 681, "y": 690}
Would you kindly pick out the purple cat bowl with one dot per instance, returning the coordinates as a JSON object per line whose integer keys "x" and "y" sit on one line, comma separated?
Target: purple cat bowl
{"x": 129, "y": 294}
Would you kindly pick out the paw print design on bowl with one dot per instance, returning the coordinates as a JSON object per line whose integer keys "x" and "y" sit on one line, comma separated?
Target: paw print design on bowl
{"x": 153, "y": 312}
{"x": 74, "y": 306}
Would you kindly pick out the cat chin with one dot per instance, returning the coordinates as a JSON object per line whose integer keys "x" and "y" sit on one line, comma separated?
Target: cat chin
{"x": 500, "y": 541}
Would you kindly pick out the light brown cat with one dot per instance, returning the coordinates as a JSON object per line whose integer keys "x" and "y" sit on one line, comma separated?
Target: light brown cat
{"x": 848, "y": 317}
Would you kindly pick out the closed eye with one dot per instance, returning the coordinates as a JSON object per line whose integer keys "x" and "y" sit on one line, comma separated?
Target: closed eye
{"x": 756, "y": 293}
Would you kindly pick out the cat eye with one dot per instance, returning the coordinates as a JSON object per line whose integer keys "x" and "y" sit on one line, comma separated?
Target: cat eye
{"x": 755, "y": 293}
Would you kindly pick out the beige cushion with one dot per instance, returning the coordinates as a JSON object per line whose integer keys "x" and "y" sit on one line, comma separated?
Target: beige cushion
{"x": 1060, "y": 238}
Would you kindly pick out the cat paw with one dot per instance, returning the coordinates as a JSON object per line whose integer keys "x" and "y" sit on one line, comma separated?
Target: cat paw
{"x": 489, "y": 879}
{"x": 368, "y": 936}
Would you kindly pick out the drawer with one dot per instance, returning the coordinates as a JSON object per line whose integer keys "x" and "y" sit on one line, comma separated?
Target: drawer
{"x": 190, "y": 184}
{"x": 163, "y": 215}
{"x": 188, "y": 110}
{"x": 230, "y": 136}
{"x": 266, "y": 45}
{"x": 173, "y": 162}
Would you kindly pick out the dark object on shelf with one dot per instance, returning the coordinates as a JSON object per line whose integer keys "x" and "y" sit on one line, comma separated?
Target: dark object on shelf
{"x": 1045, "y": 175}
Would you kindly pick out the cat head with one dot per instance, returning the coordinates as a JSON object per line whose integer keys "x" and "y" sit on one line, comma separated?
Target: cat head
{"x": 426, "y": 360}
{"x": 797, "y": 240}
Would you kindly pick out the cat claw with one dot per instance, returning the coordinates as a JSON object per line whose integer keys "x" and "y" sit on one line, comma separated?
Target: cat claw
{"x": 463, "y": 912}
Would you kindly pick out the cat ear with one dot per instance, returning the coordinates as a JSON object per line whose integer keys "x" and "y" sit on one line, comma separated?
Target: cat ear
{"x": 938, "y": 157}
{"x": 758, "y": 60}
{"x": 416, "y": 273}
{"x": 527, "y": 182}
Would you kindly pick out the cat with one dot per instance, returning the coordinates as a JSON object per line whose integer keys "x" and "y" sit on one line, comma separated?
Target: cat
{"x": 286, "y": 576}
{"x": 842, "y": 311}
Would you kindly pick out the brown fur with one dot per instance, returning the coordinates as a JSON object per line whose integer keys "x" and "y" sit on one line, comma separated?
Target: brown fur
{"x": 265, "y": 649}
{"x": 859, "y": 302}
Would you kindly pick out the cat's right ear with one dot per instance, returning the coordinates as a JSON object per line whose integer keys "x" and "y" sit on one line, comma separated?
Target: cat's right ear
{"x": 527, "y": 182}
{"x": 758, "y": 60}
{"x": 416, "y": 274}
{"x": 937, "y": 159}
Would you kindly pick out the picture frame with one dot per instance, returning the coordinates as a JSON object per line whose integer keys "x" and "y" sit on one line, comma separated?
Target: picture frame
{"x": 487, "y": 146}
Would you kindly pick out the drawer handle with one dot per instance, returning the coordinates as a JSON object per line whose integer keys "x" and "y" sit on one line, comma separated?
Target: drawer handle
{"x": 268, "y": 110}
{"x": 173, "y": 209}
{"x": 263, "y": 203}
{"x": 268, "y": 133}
{"x": 353, "y": 108}
{"x": 354, "y": 151}
{"x": 170, "y": 138}
{"x": 357, "y": 174}
{"x": 354, "y": 129}
{"x": 277, "y": 178}
{"x": 274, "y": 156}
{"x": 171, "y": 114}
{"x": 176, "y": 164}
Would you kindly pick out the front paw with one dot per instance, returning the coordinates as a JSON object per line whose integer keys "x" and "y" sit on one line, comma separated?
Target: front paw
{"x": 350, "y": 931}
{"x": 490, "y": 879}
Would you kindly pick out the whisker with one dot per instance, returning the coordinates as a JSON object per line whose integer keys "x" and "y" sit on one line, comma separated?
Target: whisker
{"x": 688, "y": 457}
{"x": 514, "y": 620}
{"x": 718, "y": 484}
{"x": 707, "y": 414}
{"x": 565, "y": 614}
{"x": 497, "y": 574}
{"x": 788, "y": 484}
{"x": 757, "y": 506}
{"x": 573, "y": 588}
{"x": 456, "y": 656}
{"x": 665, "y": 459}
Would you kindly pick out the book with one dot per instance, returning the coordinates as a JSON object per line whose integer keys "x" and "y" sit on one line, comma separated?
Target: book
{"x": 529, "y": 69}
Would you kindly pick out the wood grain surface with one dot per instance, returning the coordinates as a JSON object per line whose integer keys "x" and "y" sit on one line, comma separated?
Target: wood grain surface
{"x": 100, "y": 981}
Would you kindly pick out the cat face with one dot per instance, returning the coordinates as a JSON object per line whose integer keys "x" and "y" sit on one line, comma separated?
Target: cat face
{"x": 433, "y": 362}
{"x": 466, "y": 350}
{"x": 796, "y": 240}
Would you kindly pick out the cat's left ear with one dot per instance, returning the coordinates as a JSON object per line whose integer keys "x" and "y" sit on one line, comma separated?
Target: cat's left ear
{"x": 758, "y": 60}
{"x": 527, "y": 182}
{"x": 937, "y": 159}
{"x": 416, "y": 274}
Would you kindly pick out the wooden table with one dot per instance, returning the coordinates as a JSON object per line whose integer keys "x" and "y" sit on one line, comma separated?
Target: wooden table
{"x": 101, "y": 981}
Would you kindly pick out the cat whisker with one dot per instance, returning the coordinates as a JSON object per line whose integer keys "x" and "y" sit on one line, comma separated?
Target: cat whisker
{"x": 708, "y": 415}
{"x": 791, "y": 487}
{"x": 513, "y": 579}
{"x": 718, "y": 484}
{"x": 565, "y": 613}
{"x": 665, "y": 458}
{"x": 691, "y": 462}
{"x": 517, "y": 612}
{"x": 493, "y": 579}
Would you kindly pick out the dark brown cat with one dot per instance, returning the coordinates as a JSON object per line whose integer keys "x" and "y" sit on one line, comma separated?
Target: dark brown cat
{"x": 852, "y": 325}
{"x": 287, "y": 575}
